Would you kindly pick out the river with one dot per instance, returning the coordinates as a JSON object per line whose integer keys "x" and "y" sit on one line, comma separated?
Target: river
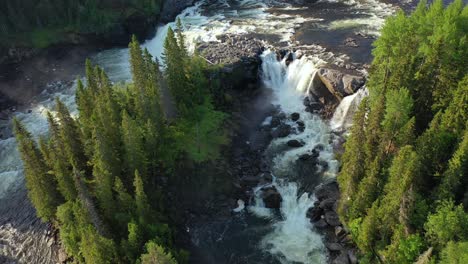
{"x": 255, "y": 234}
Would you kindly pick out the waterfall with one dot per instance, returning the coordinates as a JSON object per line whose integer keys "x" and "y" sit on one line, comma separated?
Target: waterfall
{"x": 293, "y": 238}
{"x": 343, "y": 117}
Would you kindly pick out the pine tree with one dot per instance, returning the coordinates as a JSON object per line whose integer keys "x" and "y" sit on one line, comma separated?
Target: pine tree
{"x": 141, "y": 201}
{"x": 135, "y": 154}
{"x": 449, "y": 222}
{"x": 42, "y": 187}
{"x": 125, "y": 205}
{"x": 181, "y": 40}
{"x": 59, "y": 162}
{"x": 175, "y": 73}
{"x": 353, "y": 160}
{"x": 156, "y": 255}
{"x": 97, "y": 249}
{"x": 403, "y": 174}
{"x": 454, "y": 179}
{"x": 103, "y": 176}
{"x": 71, "y": 137}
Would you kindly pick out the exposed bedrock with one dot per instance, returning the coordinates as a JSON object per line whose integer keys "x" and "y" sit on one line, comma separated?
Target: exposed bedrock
{"x": 172, "y": 8}
{"x": 323, "y": 216}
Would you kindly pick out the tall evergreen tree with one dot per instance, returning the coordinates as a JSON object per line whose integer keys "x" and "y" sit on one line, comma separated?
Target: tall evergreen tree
{"x": 42, "y": 187}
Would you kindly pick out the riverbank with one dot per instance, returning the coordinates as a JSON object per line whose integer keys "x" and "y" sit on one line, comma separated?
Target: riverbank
{"x": 26, "y": 70}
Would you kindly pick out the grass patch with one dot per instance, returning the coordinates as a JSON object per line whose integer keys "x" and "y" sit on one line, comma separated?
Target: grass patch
{"x": 43, "y": 38}
{"x": 202, "y": 140}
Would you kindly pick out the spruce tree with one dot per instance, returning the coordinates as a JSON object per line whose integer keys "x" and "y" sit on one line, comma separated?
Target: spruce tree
{"x": 59, "y": 162}
{"x": 353, "y": 160}
{"x": 141, "y": 201}
{"x": 71, "y": 138}
{"x": 42, "y": 187}
{"x": 156, "y": 254}
{"x": 135, "y": 154}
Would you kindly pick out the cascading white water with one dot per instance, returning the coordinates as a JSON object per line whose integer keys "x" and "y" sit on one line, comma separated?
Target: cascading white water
{"x": 294, "y": 239}
{"x": 343, "y": 117}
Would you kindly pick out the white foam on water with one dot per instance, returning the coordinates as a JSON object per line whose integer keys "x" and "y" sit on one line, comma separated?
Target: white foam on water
{"x": 375, "y": 13}
{"x": 11, "y": 166}
{"x": 294, "y": 239}
{"x": 202, "y": 24}
{"x": 343, "y": 117}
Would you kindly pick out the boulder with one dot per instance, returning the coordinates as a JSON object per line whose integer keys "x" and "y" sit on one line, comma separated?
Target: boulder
{"x": 172, "y": 8}
{"x": 275, "y": 121}
{"x": 294, "y": 143}
{"x": 327, "y": 204}
{"x": 62, "y": 255}
{"x": 319, "y": 92}
{"x": 319, "y": 147}
{"x": 305, "y": 157}
{"x": 271, "y": 197}
{"x": 281, "y": 131}
{"x": 341, "y": 259}
{"x": 295, "y": 116}
{"x": 327, "y": 190}
{"x": 321, "y": 223}
{"x": 340, "y": 84}
{"x": 332, "y": 218}
{"x": 334, "y": 246}
{"x": 339, "y": 231}
{"x": 314, "y": 213}
{"x": 300, "y": 126}
{"x": 350, "y": 42}
{"x": 352, "y": 257}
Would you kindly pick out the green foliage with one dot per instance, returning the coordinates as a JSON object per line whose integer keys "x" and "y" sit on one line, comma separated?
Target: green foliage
{"x": 155, "y": 254}
{"x": 121, "y": 139}
{"x": 43, "y": 23}
{"x": 455, "y": 253}
{"x": 202, "y": 137}
{"x": 449, "y": 222}
{"x": 41, "y": 185}
{"x": 97, "y": 249}
{"x": 407, "y": 149}
{"x": 353, "y": 160}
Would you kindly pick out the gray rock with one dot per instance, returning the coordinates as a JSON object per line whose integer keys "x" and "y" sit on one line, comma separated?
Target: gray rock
{"x": 321, "y": 223}
{"x": 172, "y": 8}
{"x": 314, "y": 213}
{"x": 328, "y": 190}
{"x": 271, "y": 197}
{"x": 332, "y": 218}
{"x": 341, "y": 259}
{"x": 352, "y": 257}
{"x": 327, "y": 203}
{"x": 294, "y": 143}
{"x": 62, "y": 256}
{"x": 339, "y": 231}
{"x": 282, "y": 131}
{"x": 305, "y": 157}
{"x": 334, "y": 246}
{"x": 350, "y": 42}
{"x": 340, "y": 84}
{"x": 295, "y": 116}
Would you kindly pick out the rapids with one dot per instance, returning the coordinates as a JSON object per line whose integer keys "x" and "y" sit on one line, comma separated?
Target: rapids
{"x": 254, "y": 234}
